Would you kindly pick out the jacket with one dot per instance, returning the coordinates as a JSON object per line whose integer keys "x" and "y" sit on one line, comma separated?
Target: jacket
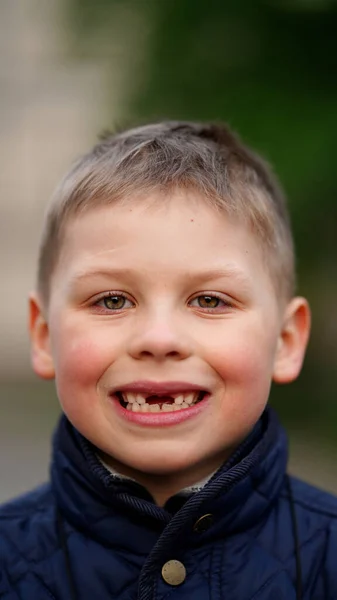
{"x": 252, "y": 533}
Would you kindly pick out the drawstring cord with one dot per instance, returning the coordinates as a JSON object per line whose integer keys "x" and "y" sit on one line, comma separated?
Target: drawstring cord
{"x": 299, "y": 586}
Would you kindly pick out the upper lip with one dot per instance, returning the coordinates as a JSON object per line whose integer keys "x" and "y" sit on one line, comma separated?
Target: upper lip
{"x": 158, "y": 387}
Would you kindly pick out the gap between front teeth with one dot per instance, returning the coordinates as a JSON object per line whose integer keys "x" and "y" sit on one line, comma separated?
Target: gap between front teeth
{"x": 137, "y": 402}
{"x": 135, "y": 407}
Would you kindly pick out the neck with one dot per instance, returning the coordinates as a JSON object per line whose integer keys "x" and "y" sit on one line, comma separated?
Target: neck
{"x": 164, "y": 485}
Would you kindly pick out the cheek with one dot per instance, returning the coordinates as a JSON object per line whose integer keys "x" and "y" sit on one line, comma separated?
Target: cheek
{"x": 243, "y": 364}
{"x": 81, "y": 357}
{"x": 79, "y": 362}
{"x": 243, "y": 356}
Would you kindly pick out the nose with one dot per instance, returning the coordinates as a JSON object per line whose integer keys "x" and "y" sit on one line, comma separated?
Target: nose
{"x": 159, "y": 339}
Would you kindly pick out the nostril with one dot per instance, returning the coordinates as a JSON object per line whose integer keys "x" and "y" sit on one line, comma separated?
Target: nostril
{"x": 172, "y": 353}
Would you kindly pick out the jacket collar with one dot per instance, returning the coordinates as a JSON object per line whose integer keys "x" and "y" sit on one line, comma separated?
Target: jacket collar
{"x": 121, "y": 512}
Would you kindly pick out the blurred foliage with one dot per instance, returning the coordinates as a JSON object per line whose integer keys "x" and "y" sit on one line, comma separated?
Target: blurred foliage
{"x": 270, "y": 70}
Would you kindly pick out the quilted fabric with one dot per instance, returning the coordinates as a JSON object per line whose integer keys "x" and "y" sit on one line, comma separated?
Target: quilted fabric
{"x": 117, "y": 540}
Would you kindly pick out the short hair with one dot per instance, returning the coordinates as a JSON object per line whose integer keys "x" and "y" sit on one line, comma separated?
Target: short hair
{"x": 204, "y": 157}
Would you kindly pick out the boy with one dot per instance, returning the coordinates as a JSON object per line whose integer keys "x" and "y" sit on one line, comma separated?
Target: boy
{"x": 164, "y": 309}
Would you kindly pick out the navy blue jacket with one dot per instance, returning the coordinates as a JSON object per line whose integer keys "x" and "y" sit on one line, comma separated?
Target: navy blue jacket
{"x": 86, "y": 536}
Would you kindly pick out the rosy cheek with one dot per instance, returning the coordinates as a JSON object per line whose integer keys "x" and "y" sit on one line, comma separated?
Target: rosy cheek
{"x": 81, "y": 362}
{"x": 238, "y": 359}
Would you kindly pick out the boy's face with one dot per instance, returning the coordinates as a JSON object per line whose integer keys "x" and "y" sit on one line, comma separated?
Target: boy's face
{"x": 188, "y": 300}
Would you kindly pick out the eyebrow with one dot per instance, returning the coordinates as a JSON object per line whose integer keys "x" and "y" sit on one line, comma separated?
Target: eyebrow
{"x": 107, "y": 273}
{"x": 229, "y": 271}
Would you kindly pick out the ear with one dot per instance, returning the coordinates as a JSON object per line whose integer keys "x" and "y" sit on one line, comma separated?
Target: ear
{"x": 41, "y": 356}
{"x": 292, "y": 341}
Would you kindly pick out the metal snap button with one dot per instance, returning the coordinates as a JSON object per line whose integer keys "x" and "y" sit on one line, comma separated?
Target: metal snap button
{"x": 203, "y": 523}
{"x": 173, "y": 572}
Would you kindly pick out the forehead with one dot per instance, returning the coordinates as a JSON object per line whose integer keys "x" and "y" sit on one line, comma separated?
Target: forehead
{"x": 163, "y": 242}
{"x": 175, "y": 228}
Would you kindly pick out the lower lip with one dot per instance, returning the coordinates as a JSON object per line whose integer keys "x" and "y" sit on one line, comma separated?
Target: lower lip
{"x": 160, "y": 419}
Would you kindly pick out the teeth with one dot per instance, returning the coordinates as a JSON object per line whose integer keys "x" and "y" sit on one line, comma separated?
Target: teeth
{"x": 128, "y": 397}
{"x": 137, "y": 402}
{"x": 190, "y": 398}
{"x": 179, "y": 399}
{"x": 135, "y": 407}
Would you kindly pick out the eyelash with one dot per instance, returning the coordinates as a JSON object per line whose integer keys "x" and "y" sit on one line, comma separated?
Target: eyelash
{"x": 226, "y": 303}
{"x": 111, "y": 295}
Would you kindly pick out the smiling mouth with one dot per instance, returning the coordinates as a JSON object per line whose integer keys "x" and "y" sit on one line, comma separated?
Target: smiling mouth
{"x": 155, "y": 403}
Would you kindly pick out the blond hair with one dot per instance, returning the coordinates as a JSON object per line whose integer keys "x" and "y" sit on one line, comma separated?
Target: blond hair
{"x": 164, "y": 156}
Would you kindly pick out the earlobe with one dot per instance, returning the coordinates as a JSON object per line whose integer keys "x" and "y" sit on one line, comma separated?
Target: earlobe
{"x": 41, "y": 356}
{"x": 292, "y": 341}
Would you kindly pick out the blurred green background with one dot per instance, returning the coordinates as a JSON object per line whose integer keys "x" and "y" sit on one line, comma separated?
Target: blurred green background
{"x": 269, "y": 69}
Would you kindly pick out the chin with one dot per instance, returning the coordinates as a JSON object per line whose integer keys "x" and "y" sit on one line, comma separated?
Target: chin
{"x": 161, "y": 464}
